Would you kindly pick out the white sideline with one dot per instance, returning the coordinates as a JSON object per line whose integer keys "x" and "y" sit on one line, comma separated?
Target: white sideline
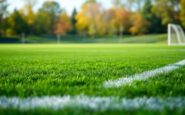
{"x": 143, "y": 76}
{"x": 92, "y": 103}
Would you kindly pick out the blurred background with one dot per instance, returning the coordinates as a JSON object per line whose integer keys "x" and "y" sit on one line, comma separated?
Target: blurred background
{"x": 88, "y": 21}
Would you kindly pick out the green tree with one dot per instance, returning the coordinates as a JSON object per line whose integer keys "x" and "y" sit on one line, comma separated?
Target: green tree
{"x": 51, "y": 7}
{"x": 51, "y": 11}
{"x": 30, "y": 16}
{"x": 42, "y": 23}
{"x": 146, "y": 11}
{"x": 3, "y": 26}
{"x": 182, "y": 13}
{"x": 155, "y": 23}
{"x": 73, "y": 22}
{"x": 3, "y": 11}
{"x": 167, "y": 10}
{"x": 16, "y": 24}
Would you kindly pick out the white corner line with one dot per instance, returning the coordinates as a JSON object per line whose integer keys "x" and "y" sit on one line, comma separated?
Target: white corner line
{"x": 143, "y": 76}
{"x": 91, "y": 103}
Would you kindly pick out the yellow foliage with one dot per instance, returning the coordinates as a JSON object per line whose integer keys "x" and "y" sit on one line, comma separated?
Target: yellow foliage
{"x": 30, "y": 16}
{"x": 82, "y": 21}
{"x": 9, "y": 32}
{"x": 90, "y": 19}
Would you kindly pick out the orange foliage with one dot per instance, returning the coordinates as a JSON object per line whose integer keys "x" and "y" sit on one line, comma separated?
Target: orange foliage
{"x": 122, "y": 17}
{"x": 139, "y": 24}
{"x": 63, "y": 25}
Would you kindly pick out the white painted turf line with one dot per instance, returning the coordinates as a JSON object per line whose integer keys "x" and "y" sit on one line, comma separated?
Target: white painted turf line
{"x": 92, "y": 103}
{"x": 143, "y": 76}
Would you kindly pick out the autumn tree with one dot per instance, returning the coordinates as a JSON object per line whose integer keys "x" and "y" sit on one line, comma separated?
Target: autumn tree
{"x": 89, "y": 18}
{"x": 82, "y": 22}
{"x": 63, "y": 25}
{"x": 139, "y": 24}
{"x": 93, "y": 12}
{"x": 117, "y": 3}
{"x": 30, "y": 16}
{"x": 122, "y": 20}
{"x": 109, "y": 16}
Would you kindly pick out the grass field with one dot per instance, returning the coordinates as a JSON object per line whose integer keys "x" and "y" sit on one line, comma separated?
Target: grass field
{"x": 155, "y": 38}
{"x": 81, "y": 69}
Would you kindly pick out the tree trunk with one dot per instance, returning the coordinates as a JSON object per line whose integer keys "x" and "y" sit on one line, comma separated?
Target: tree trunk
{"x": 121, "y": 31}
{"x": 58, "y": 39}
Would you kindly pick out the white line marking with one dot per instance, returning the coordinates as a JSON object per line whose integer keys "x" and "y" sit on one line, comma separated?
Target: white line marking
{"x": 143, "y": 76}
{"x": 92, "y": 103}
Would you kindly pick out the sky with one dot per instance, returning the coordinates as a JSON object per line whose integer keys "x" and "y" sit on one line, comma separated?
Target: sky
{"x": 68, "y": 5}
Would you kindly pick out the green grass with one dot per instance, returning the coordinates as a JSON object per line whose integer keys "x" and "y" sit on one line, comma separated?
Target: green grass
{"x": 73, "y": 69}
{"x": 87, "y": 112}
{"x": 155, "y": 38}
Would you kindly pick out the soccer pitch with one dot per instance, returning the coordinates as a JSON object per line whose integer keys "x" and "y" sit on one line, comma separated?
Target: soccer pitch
{"x": 79, "y": 71}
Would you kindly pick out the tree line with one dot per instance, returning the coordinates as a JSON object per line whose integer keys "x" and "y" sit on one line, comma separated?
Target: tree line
{"x": 124, "y": 17}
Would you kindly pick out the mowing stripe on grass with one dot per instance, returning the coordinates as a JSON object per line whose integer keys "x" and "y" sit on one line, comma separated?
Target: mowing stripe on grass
{"x": 92, "y": 103}
{"x": 143, "y": 76}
